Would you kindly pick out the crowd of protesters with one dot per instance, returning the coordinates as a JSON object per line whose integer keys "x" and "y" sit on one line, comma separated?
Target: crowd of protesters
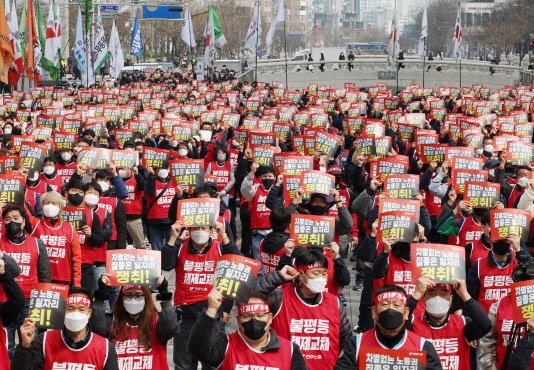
{"x": 296, "y": 315}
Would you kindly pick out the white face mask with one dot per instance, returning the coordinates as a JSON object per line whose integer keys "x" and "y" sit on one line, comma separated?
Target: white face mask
{"x": 163, "y": 174}
{"x": 322, "y": 169}
{"x": 316, "y": 285}
{"x": 7, "y": 131}
{"x": 48, "y": 170}
{"x": 123, "y": 174}
{"x": 66, "y": 156}
{"x": 522, "y": 181}
{"x": 492, "y": 172}
{"x": 91, "y": 199}
{"x": 133, "y": 306}
{"x": 488, "y": 148}
{"x": 200, "y": 236}
{"x": 437, "y": 306}
{"x": 221, "y": 157}
{"x": 182, "y": 152}
{"x": 103, "y": 185}
{"x": 76, "y": 321}
{"x": 51, "y": 210}
{"x": 235, "y": 143}
{"x": 174, "y": 143}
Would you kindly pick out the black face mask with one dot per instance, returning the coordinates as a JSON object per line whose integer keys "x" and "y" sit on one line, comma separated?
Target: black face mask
{"x": 13, "y": 228}
{"x": 254, "y": 329}
{"x": 390, "y": 319}
{"x": 267, "y": 183}
{"x": 501, "y": 247}
{"x": 317, "y": 210}
{"x": 75, "y": 199}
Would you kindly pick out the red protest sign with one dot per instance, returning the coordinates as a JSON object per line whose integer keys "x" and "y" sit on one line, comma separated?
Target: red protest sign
{"x": 510, "y": 221}
{"x": 442, "y": 262}
{"x": 460, "y": 177}
{"x": 375, "y": 358}
{"x": 433, "y": 152}
{"x": 398, "y": 224}
{"x": 133, "y": 266}
{"x": 523, "y": 300}
{"x": 313, "y": 231}
{"x": 401, "y": 186}
{"x": 482, "y": 194}
{"x": 393, "y": 165}
{"x": 317, "y": 182}
{"x": 236, "y": 276}
{"x": 198, "y": 212}
{"x": 48, "y": 304}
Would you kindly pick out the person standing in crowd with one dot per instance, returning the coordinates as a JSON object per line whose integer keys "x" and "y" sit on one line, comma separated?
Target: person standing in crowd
{"x": 139, "y": 332}
{"x": 255, "y": 343}
{"x": 76, "y": 346}
{"x": 306, "y": 301}
{"x": 185, "y": 249}
{"x": 391, "y": 315}
{"x": 135, "y": 183}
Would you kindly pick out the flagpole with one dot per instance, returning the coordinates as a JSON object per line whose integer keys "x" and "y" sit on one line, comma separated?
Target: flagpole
{"x": 257, "y": 37}
{"x": 424, "y": 63}
{"x": 285, "y": 49}
{"x": 460, "y": 72}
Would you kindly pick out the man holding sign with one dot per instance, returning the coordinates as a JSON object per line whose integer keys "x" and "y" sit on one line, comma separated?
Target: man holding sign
{"x": 74, "y": 347}
{"x": 391, "y": 314}
{"x": 254, "y": 344}
{"x": 192, "y": 253}
{"x": 450, "y": 334}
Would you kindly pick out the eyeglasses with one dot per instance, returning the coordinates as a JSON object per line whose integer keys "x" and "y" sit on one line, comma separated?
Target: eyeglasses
{"x": 137, "y": 296}
{"x": 257, "y": 315}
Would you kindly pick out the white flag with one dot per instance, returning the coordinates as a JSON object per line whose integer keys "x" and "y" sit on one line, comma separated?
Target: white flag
{"x": 187, "y": 30}
{"x": 458, "y": 35}
{"x": 279, "y": 16}
{"x": 423, "y": 35}
{"x": 51, "y": 56}
{"x": 393, "y": 47}
{"x": 209, "y": 51}
{"x": 115, "y": 52}
{"x": 100, "y": 49}
{"x": 253, "y": 40}
{"x": 79, "y": 47}
{"x": 89, "y": 78}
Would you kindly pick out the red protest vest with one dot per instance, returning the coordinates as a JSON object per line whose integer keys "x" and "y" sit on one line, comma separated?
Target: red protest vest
{"x": 40, "y": 188}
{"x": 4, "y": 357}
{"x": 129, "y": 352}
{"x": 30, "y": 196}
{"x": 259, "y": 212}
{"x": 344, "y": 197}
{"x": 58, "y": 243}
{"x": 133, "y": 203}
{"x": 100, "y": 253}
{"x": 66, "y": 170}
{"x": 234, "y": 154}
{"x": 160, "y": 209}
{"x": 494, "y": 282}
{"x": 55, "y": 183}
{"x": 513, "y": 196}
{"x": 478, "y": 251}
{"x": 469, "y": 232}
{"x": 400, "y": 273}
{"x": 240, "y": 356}
{"x": 223, "y": 175}
{"x": 314, "y": 328}
{"x": 432, "y": 202}
{"x": 59, "y": 356}
{"x": 110, "y": 205}
{"x": 195, "y": 274}
{"x": 88, "y": 251}
{"x": 411, "y": 342}
{"x": 27, "y": 256}
{"x": 270, "y": 261}
{"x": 449, "y": 340}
